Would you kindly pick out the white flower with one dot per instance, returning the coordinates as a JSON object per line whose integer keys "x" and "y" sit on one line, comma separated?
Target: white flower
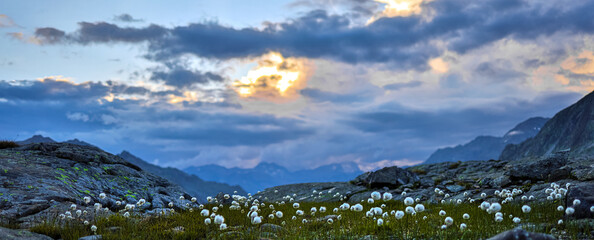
{"x": 62, "y": 216}
{"x": 182, "y": 198}
{"x": 295, "y": 205}
{"x": 498, "y": 214}
{"x": 495, "y": 207}
{"x": 193, "y": 199}
{"x": 204, "y": 213}
{"x": 370, "y": 201}
{"x": 560, "y": 208}
{"x": 78, "y": 213}
{"x": 466, "y": 216}
{"x": 339, "y": 217}
{"x": 87, "y": 199}
{"x": 86, "y": 222}
{"x": 409, "y": 201}
{"x": 73, "y": 207}
{"x": 369, "y": 214}
{"x": 219, "y": 219}
{"x": 526, "y": 209}
{"x": 403, "y": 194}
{"x": 126, "y": 214}
{"x": 485, "y": 205}
{"x": 387, "y": 196}
{"x": 560, "y": 221}
{"x": 550, "y": 198}
{"x": 344, "y": 206}
{"x": 576, "y": 202}
{"x": 592, "y": 209}
{"x": 98, "y": 206}
{"x": 483, "y": 195}
{"x": 313, "y": 210}
{"x": 207, "y": 221}
{"x": 299, "y": 212}
{"x": 94, "y": 228}
{"x": 226, "y": 196}
{"x": 223, "y": 226}
{"x": 409, "y": 210}
{"x": 462, "y": 226}
{"x": 215, "y": 209}
{"x": 569, "y": 211}
{"x": 419, "y": 208}
{"x": 498, "y": 219}
{"x": 358, "y": 207}
{"x": 399, "y": 214}
{"x": 170, "y": 204}
{"x": 322, "y": 209}
{"x": 531, "y": 198}
{"x": 335, "y": 210}
{"x": 279, "y": 214}
{"x": 377, "y": 211}
{"x": 444, "y": 227}
{"x": 448, "y": 221}
{"x": 458, "y": 201}
{"x": 380, "y": 222}
{"x": 330, "y": 221}
{"x": 442, "y": 213}
{"x": 118, "y": 203}
{"x": 376, "y": 195}
{"x": 524, "y": 198}
{"x": 257, "y": 220}
{"x": 102, "y": 195}
{"x": 516, "y": 220}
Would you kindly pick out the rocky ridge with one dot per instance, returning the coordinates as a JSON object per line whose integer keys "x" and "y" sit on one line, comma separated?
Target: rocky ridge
{"x": 44, "y": 179}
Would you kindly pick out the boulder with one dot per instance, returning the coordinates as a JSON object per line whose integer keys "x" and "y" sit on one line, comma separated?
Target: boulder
{"x": 21, "y": 234}
{"x": 549, "y": 169}
{"x": 520, "y": 234}
{"x": 585, "y": 193}
{"x": 391, "y": 177}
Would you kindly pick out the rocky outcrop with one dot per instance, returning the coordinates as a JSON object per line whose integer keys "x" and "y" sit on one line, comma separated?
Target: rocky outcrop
{"x": 584, "y": 192}
{"x": 46, "y": 178}
{"x": 520, "y": 234}
{"x": 569, "y": 131}
{"x": 21, "y": 234}
{"x": 391, "y": 177}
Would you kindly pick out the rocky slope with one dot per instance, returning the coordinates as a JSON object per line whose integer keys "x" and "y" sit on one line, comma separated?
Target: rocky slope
{"x": 266, "y": 175}
{"x": 570, "y": 131}
{"x": 46, "y": 178}
{"x": 473, "y": 177}
{"x": 189, "y": 182}
{"x": 488, "y": 147}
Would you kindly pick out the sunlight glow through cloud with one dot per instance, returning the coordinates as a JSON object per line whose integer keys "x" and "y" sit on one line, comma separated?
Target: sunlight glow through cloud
{"x": 398, "y": 8}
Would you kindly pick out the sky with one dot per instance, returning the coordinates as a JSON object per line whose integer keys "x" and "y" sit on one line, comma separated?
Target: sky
{"x": 299, "y": 83}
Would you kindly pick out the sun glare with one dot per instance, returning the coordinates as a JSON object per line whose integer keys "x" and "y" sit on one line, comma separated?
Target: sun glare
{"x": 398, "y": 8}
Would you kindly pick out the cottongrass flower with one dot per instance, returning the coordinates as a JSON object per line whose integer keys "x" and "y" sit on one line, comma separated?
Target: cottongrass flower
{"x": 94, "y": 229}
{"x": 448, "y": 221}
{"x": 485, "y": 205}
{"x": 403, "y": 194}
{"x": 87, "y": 199}
{"x": 592, "y": 209}
{"x": 383, "y": 205}
{"x": 560, "y": 221}
{"x": 569, "y": 211}
{"x": 380, "y": 222}
{"x": 170, "y": 204}
{"x": 141, "y": 202}
{"x": 313, "y": 210}
{"x": 531, "y": 197}
{"x": 498, "y": 219}
{"x": 344, "y": 206}
{"x": 97, "y": 206}
{"x": 322, "y": 209}
{"x": 387, "y": 196}
{"x": 516, "y": 220}
{"x": 226, "y": 196}
{"x": 73, "y": 207}
{"x": 182, "y": 198}
{"x": 399, "y": 214}
{"x": 442, "y": 213}
{"x": 483, "y": 195}
{"x": 271, "y": 216}
{"x": 118, "y": 203}
{"x": 207, "y": 221}
{"x": 409, "y": 201}
{"x": 126, "y": 214}
{"x": 193, "y": 199}
{"x": 376, "y": 195}
{"x": 377, "y": 211}
{"x": 204, "y": 213}
{"x": 498, "y": 214}
{"x": 358, "y": 207}
{"x": 330, "y": 221}
{"x": 560, "y": 208}
{"x": 339, "y": 217}
{"x": 102, "y": 195}
{"x": 524, "y": 198}
{"x": 294, "y": 218}
{"x": 462, "y": 226}
{"x": 369, "y": 214}
{"x": 256, "y": 220}
{"x": 219, "y": 220}
{"x": 526, "y": 209}
{"x": 304, "y": 221}
{"x": 62, "y": 216}
{"x": 409, "y": 210}
{"x": 370, "y": 201}
{"x": 335, "y": 210}
{"x": 295, "y": 205}
{"x": 215, "y": 209}
{"x": 223, "y": 226}
{"x": 78, "y": 213}
{"x": 444, "y": 227}
{"x": 299, "y": 212}
{"x": 576, "y": 202}
{"x": 495, "y": 207}
{"x": 279, "y": 214}
{"x": 419, "y": 208}
{"x": 86, "y": 222}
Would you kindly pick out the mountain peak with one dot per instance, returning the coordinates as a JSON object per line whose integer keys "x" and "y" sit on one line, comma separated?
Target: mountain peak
{"x": 571, "y": 128}
{"x": 36, "y": 139}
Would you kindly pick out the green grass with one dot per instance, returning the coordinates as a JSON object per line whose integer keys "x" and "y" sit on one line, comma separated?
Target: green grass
{"x": 542, "y": 218}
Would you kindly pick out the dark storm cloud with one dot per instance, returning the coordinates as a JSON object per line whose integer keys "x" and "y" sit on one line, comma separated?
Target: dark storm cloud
{"x": 179, "y": 77}
{"x": 464, "y": 25}
{"x": 126, "y": 18}
{"x": 50, "y": 35}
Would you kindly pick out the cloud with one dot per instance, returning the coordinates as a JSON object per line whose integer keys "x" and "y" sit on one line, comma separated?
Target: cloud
{"x": 398, "y": 86}
{"x": 318, "y": 95}
{"x": 77, "y": 116}
{"x": 50, "y": 35}
{"x": 6, "y": 21}
{"x": 126, "y": 18}
{"x": 183, "y": 78}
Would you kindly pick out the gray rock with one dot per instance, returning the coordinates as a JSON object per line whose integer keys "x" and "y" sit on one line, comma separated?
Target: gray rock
{"x": 391, "y": 177}
{"x": 500, "y": 182}
{"x": 455, "y": 188}
{"x": 92, "y": 237}
{"x": 269, "y": 227}
{"x": 21, "y": 234}
{"x": 520, "y": 234}
{"x": 585, "y": 193}
{"x": 44, "y": 179}
{"x": 541, "y": 169}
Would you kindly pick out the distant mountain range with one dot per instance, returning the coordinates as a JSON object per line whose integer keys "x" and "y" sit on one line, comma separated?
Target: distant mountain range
{"x": 488, "y": 147}
{"x": 266, "y": 175}
{"x": 570, "y": 131}
{"x": 190, "y": 183}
